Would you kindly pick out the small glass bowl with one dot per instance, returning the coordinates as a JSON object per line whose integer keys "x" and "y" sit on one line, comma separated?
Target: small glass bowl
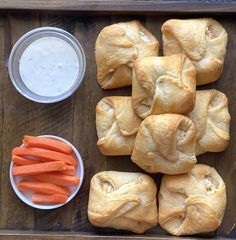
{"x": 24, "y": 42}
{"x": 26, "y": 196}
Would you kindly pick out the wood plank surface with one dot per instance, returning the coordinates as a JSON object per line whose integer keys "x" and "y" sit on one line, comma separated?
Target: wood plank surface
{"x": 86, "y": 30}
{"x": 18, "y": 117}
{"x": 22, "y": 235}
{"x": 74, "y": 120}
{"x": 123, "y": 5}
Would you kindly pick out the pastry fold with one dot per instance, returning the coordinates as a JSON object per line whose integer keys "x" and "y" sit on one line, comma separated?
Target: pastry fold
{"x": 212, "y": 121}
{"x": 193, "y": 202}
{"x": 165, "y": 143}
{"x": 117, "y": 47}
{"x": 123, "y": 200}
{"x": 203, "y": 40}
{"x": 117, "y": 126}
{"x": 163, "y": 85}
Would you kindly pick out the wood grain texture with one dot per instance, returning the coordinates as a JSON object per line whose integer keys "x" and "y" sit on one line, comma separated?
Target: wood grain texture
{"x": 13, "y": 128}
{"x": 86, "y": 30}
{"x": 22, "y": 235}
{"x": 74, "y": 119}
{"x": 122, "y": 5}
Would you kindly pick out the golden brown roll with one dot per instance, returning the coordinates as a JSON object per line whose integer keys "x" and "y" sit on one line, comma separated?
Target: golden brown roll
{"x": 117, "y": 126}
{"x": 203, "y": 40}
{"x": 123, "y": 200}
{"x": 163, "y": 85}
{"x": 193, "y": 202}
{"x": 211, "y": 118}
{"x": 117, "y": 47}
{"x": 165, "y": 143}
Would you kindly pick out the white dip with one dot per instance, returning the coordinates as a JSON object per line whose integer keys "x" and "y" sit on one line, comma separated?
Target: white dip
{"x": 49, "y": 66}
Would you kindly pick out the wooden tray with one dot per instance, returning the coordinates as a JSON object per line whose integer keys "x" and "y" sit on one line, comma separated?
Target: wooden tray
{"x": 73, "y": 118}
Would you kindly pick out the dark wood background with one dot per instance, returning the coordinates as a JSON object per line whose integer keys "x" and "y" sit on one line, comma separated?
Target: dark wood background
{"x": 94, "y": 6}
{"x": 74, "y": 120}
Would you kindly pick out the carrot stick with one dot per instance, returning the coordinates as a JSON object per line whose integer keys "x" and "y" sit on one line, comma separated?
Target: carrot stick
{"x": 23, "y": 161}
{"x": 39, "y": 198}
{"x": 41, "y": 187}
{"x": 47, "y": 143}
{"x": 44, "y": 153}
{"x": 58, "y": 179}
{"x": 38, "y": 168}
{"x": 69, "y": 171}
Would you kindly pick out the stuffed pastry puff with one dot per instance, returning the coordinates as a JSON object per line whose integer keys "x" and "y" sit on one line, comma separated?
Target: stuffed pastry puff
{"x": 165, "y": 143}
{"x": 117, "y": 126}
{"x": 193, "y": 202}
{"x": 212, "y": 120}
{"x": 163, "y": 85}
{"x": 117, "y": 47}
{"x": 123, "y": 200}
{"x": 203, "y": 40}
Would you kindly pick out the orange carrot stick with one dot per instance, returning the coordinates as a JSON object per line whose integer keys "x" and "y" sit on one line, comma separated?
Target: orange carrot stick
{"x": 45, "y": 154}
{"x": 23, "y": 161}
{"x": 28, "y": 170}
{"x": 42, "y": 187}
{"x": 69, "y": 171}
{"x": 47, "y": 143}
{"x": 58, "y": 179}
{"x": 39, "y": 198}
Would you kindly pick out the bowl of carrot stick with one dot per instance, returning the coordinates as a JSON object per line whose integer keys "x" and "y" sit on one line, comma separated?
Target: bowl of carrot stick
{"x": 46, "y": 172}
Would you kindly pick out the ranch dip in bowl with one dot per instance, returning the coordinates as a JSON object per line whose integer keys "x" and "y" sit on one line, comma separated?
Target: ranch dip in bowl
{"x": 47, "y": 65}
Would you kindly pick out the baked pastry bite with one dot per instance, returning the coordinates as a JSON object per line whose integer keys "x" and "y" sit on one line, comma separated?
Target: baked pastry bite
{"x": 193, "y": 202}
{"x": 212, "y": 120}
{"x": 203, "y": 40}
{"x": 163, "y": 85}
{"x": 117, "y": 126}
{"x": 117, "y": 47}
{"x": 165, "y": 143}
{"x": 123, "y": 200}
